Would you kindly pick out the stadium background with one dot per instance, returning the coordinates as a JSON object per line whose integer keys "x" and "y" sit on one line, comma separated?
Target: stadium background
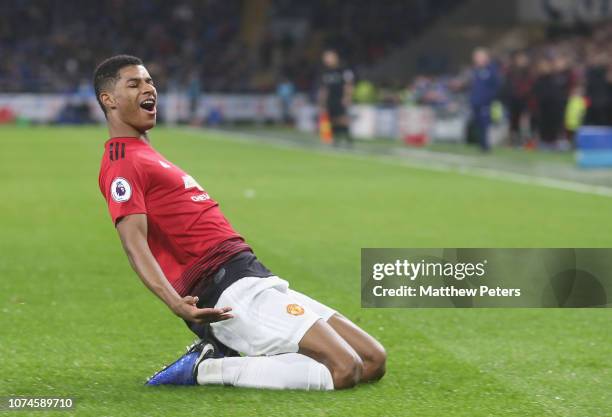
{"x": 75, "y": 320}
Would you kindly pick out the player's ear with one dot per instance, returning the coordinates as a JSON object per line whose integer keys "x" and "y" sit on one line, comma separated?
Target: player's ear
{"x": 108, "y": 101}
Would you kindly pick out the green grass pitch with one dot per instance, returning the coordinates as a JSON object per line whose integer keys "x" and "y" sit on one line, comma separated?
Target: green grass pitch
{"x": 76, "y": 321}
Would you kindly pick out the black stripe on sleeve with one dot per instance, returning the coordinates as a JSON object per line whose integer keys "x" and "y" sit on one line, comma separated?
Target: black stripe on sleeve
{"x": 116, "y": 150}
{"x": 110, "y": 151}
{"x": 122, "y": 150}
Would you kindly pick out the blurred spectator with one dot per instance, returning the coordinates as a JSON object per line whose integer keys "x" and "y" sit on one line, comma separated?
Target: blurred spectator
{"x": 574, "y": 113}
{"x": 598, "y": 90}
{"x": 566, "y": 80}
{"x": 485, "y": 84}
{"x": 551, "y": 98}
{"x": 432, "y": 92}
{"x": 285, "y": 91}
{"x": 516, "y": 93}
{"x": 365, "y": 92}
{"x": 194, "y": 88}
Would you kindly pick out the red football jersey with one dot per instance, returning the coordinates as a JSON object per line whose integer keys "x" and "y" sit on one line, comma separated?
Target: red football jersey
{"x": 187, "y": 233}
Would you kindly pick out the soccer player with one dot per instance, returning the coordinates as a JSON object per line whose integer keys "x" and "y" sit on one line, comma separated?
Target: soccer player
{"x": 187, "y": 253}
{"x": 335, "y": 95}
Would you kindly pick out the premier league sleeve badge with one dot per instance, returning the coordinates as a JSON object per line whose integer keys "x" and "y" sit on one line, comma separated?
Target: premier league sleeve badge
{"x": 121, "y": 190}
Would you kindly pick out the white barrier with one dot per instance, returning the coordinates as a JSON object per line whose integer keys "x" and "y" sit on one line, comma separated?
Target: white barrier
{"x": 402, "y": 123}
{"x": 370, "y": 122}
{"x": 173, "y": 107}
{"x": 367, "y": 121}
{"x": 363, "y": 122}
{"x": 39, "y": 108}
{"x": 415, "y": 120}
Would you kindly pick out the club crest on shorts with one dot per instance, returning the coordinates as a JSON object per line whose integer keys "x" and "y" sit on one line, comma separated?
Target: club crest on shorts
{"x": 121, "y": 190}
{"x": 295, "y": 309}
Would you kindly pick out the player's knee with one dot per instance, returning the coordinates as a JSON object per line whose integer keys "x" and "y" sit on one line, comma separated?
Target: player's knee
{"x": 347, "y": 373}
{"x": 375, "y": 363}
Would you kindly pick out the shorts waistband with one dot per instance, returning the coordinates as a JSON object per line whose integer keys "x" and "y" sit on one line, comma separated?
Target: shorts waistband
{"x": 243, "y": 264}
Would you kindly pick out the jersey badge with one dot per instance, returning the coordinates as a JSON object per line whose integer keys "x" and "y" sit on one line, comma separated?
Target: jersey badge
{"x": 191, "y": 183}
{"x": 121, "y": 190}
{"x": 295, "y": 309}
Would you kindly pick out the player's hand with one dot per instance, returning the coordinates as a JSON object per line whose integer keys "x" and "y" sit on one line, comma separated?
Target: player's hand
{"x": 187, "y": 309}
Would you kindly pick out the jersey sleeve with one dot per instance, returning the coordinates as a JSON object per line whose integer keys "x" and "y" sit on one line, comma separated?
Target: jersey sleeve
{"x": 124, "y": 187}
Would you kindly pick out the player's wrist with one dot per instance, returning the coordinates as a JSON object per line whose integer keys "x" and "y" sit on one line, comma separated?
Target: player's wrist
{"x": 177, "y": 307}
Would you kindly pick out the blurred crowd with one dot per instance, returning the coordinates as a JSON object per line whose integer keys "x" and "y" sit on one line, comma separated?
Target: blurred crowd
{"x": 547, "y": 90}
{"x": 54, "y": 45}
{"x": 209, "y": 45}
{"x": 361, "y": 30}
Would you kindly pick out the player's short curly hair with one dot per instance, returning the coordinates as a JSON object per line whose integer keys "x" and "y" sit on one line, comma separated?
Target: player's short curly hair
{"x": 107, "y": 73}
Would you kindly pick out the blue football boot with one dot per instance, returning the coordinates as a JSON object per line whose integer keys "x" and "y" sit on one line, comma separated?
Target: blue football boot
{"x": 184, "y": 370}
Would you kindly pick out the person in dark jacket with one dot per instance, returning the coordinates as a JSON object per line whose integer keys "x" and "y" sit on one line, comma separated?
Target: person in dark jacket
{"x": 565, "y": 80}
{"x": 598, "y": 91}
{"x": 551, "y": 97}
{"x": 517, "y": 92}
{"x": 485, "y": 86}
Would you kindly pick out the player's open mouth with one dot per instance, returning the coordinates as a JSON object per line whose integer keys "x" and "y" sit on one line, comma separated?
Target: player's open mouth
{"x": 148, "y": 105}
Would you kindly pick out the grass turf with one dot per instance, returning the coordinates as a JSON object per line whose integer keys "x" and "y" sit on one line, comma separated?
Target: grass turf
{"x": 75, "y": 321}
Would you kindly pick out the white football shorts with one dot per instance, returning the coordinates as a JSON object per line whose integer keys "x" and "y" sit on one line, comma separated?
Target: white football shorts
{"x": 269, "y": 317}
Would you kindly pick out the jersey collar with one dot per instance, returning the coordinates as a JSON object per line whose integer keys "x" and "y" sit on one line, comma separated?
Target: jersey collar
{"x": 130, "y": 139}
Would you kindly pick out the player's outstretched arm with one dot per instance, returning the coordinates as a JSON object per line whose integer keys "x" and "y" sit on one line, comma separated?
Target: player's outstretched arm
{"x": 132, "y": 230}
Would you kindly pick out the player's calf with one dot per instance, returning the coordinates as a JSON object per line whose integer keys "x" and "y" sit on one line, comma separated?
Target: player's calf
{"x": 374, "y": 364}
{"x": 324, "y": 345}
{"x": 347, "y": 372}
{"x": 371, "y": 352}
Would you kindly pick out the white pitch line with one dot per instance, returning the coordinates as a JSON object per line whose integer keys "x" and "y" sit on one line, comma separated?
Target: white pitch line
{"x": 488, "y": 173}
